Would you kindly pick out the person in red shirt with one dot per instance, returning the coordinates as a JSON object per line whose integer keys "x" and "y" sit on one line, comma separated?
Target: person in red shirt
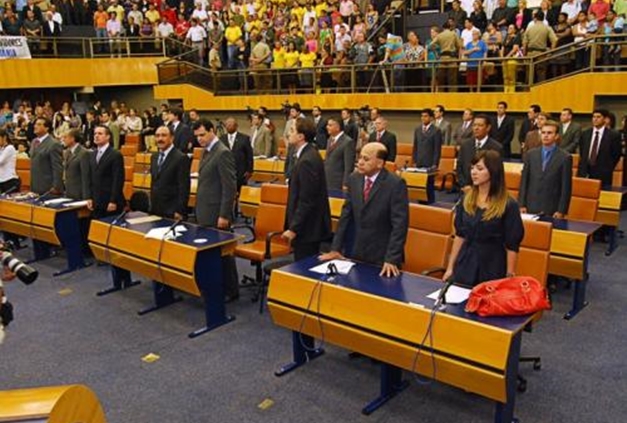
{"x": 181, "y": 28}
{"x": 170, "y": 15}
{"x": 600, "y": 9}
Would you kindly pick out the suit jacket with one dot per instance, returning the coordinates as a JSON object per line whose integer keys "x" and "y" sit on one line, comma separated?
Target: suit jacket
{"x": 308, "y": 213}
{"x": 339, "y": 162}
{"x": 525, "y": 127}
{"x": 609, "y": 154}
{"x": 389, "y": 140}
{"x": 427, "y": 147}
{"x": 217, "y": 186}
{"x": 321, "y": 133}
{"x": 533, "y": 140}
{"x": 183, "y": 137}
{"x": 169, "y": 189}
{"x": 115, "y": 134}
{"x": 46, "y": 166}
{"x": 351, "y": 130}
{"x": 464, "y": 158}
{"x": 570, "y": 139}
{"x": 380, "y": 224}
{"x": 262, "y": 142}
{"x": 45, "y": 28}
{"x": 460, "y": 134}
{"x": 77, "y": 173}
{"x": 504, "y": 134}
{"x": 447, "y": 131}
{"x": 107, "y": 181}
{"x": 546, "y": 191}
{"x": 242, "y": 154}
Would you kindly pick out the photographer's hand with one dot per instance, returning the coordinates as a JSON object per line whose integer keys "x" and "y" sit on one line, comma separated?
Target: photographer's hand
{"x": 7, "y": 275}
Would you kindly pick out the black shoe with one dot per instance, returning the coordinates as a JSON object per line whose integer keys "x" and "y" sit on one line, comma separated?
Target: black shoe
{"x": 354, "y": 355}
{"x": 231, "y": 298}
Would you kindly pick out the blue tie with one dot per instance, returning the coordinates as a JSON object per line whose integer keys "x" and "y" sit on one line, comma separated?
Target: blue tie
{"x": 546, "y": 156}
{"x": 160, "y": 161}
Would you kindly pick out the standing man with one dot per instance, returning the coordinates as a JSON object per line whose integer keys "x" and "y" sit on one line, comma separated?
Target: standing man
{"x": 534, "y": 138}
{"x": 503, "y": 129}
{"x": 450, "y": 46}
{"x": 546, "y": 181}
{"x": 442, "y": 124}
{"x": 383, "y": 136}
{"x": 183, "y": 136}
{"x": 427, "y": 142}
{"x": 215, "y": 198}
{"x": 76, "y": 166}
{"x": 259, "y": 59}
{"x": 529, "y": 124}
{"x": 537, "y": 39}
{"x": 349, "y": 126}
{"x": 46, "y": 160}
{"x": 321, "y": 128}
{"x": 600, "y": 150}
{"x": 570, "y": 132}
{"x": 480, "y": 141}
{"x": 464, "y": 130}
{"x": 170, "y": 175}
{"x": 377, "y": 207}
{"x": 261, "y": 138}
{"x": 108, "y": 119}
{"x": 308, "y": 216}
{"x": 239, "y": 144}
{"x": 340, "y": 159}
{"x": 106, "y": 175}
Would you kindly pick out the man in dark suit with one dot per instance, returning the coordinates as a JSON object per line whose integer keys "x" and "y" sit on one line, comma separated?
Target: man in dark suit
{"x": 50, "y": 29}
{"x": 76, "y": 166}
{"x": 503, "y": 127}
{"x": 169, "y": 171}
{"x": 46, "y": 160}
{"x": 600, "y": 150}
{"x": 376, "y": 207}
{"x": 321, "y": 128}
{"x": 570, "y": 132}
{"x": 546, "y": 181}
{"x": 308, "y": 216}
{"x": 442, "y": 124}
{"x": 340, "y": 157}
{"x": 479, "y": 141}
{"x": 239, "y": 144}
{"x": 106, "y": 175}
{"x": 427, "y": 142}
{"x": 183, "y": 136}
{"x": 529, "y": 123}
{"x": 216, "y": 193}
{"x": 464, "y": 130}
{"x": 349, "y": 126}
{"x": 382, "y": 135}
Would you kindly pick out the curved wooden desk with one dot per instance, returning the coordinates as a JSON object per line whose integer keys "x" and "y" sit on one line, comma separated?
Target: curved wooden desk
{"x": 55, "y": 404}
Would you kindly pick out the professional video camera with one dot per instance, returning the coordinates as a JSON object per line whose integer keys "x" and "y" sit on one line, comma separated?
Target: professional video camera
{"x": 363, "y": 116}
{"x": 24, "y": 272}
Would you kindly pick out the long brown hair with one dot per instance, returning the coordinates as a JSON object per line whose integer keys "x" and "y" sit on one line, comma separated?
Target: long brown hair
{"x": 497, "y": 195}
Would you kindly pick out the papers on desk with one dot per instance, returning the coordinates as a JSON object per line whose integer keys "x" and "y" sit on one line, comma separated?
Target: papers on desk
{"x": 260, "y": 157}
{"x": 56, "y": 201}
{"x": 166, "y": 232}
{"x": 142, "y": 219}
{"x": 454, "y": 295}
{"x": 81, "y": 203}
{"x": 194, "y": 174}
{"x": 529, "y": 216}
{"x": 417, "y": 169}
{"x": 342, "y": 266}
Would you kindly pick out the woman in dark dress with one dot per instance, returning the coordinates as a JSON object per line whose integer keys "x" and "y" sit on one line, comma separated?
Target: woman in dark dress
{"x": 488, "y": 226}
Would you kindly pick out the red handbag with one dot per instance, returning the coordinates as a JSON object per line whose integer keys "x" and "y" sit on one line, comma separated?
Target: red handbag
{"x": 508, "y": 297}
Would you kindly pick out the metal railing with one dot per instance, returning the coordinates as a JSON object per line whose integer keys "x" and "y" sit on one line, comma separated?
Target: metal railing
{"x": 494, "y": 74}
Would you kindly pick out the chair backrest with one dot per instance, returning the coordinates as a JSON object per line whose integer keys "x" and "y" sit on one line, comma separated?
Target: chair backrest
{"x": 428, "y": 238}
{"x": 617, "y": 176}
{"x": 512, "y": 183}
{"x": 391, "y": 166}
{"x": 534, "y": 253}
{"x": 271, "y": 212}
{"x": 197, "y": 153}
{"x": 584, "y": 201}
{"x": 274, "y": 194}
{"x": 129, "y": 150}
{"x": 448, "y": 152}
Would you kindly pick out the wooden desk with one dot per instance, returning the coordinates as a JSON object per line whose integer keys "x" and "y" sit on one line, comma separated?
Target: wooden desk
{"x": 249, "y": 199}
{"x": 53, "y": 224}
{"x": 192, "y": 263}
{"x": 55, "y": 404}
{"x": 420, "y": 186}
{"x": 368, "y": 314}
{"x": 266, "y": 170}
{"x": 610, "y": 205}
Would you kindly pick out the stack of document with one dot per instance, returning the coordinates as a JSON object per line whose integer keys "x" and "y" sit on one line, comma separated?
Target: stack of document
{"x": 165, "y": 232}
{"x": 417, "y": 169}
{"x": 454, "y": 295}
{"x": 528, "y": 216}
{"x": 55, "y": 201}
{"x": 342, "y": 266}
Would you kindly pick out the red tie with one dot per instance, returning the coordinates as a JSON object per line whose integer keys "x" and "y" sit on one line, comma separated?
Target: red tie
{"x": 378, "y": 136}
{"x": 594, "y": 151}
{"x": 367, "y": 189}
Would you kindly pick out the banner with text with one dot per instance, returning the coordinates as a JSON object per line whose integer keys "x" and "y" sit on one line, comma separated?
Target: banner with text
{"x": 14, "y": 48}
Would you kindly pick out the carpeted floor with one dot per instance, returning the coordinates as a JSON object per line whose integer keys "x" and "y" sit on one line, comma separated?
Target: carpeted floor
{"x": 64, "y": 334}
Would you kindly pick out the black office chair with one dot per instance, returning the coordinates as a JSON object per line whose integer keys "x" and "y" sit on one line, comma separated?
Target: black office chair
{"x": 140, "y": 201}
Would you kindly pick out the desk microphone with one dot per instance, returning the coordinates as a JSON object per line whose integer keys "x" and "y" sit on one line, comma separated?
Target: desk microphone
{"x": 171, "y": 228}
{"x": 40, "y": 198}
{"x": 10, "y": 190}
{"x": 442, "y": 296}
{"x": 119, "y": 218}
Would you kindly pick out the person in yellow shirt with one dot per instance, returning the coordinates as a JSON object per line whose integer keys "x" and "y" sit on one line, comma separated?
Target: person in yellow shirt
{"x": 118, "y": 9}
{"x": 232, "y": 33}
{"x": 307, "y": 61}
{"x": 320, "y": 6}
{"x": 278, "y": 56}
{"x": 152, "y": 14}
{"x": 292, "y": 57}
{"x": 298, "y": 11}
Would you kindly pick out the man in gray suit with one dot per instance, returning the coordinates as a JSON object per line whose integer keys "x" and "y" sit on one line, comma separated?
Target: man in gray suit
{"x": 76, "y": 166}
{"x": 216, "y": 193}
{"x": 464, "y": 130}
{"x": 427, "y": 142}
{"x": 570, "y": 132}
{"x": 108, "y": 119}
{"x": 340, "y": 157}
{"x": 546, "y": 182}
{"x": 377, "y": 207}
{"x": 442, "y": 124}
{"x": 46, "y": 164}
{"x": 261, "y": 138}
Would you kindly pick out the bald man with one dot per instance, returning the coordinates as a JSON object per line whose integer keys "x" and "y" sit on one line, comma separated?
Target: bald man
{"x": 385, "y": 137}
{"x": 240, "y": 146}
{"x": 377, "y": 206}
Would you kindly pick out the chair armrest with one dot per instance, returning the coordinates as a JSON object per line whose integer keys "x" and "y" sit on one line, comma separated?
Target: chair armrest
{"x": 269, "y": 237}
{"x": 248, "y": 227}
{"x": 433, "y": 270}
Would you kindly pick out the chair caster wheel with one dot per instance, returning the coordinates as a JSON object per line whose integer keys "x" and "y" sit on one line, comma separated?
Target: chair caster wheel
{"x": 537, "y": 366}
{"x": 522, "y": 386}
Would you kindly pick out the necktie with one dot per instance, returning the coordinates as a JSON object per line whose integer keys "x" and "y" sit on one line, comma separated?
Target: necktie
{"x": 36, "y": 143}
{"x": 477, "y": 145}
{"x": 546, "y": 156}
{"x": 425, "y": 129}
{"x": 594, "y": 150}
{"x": 160, "y": 161}
{"x": 99, "y": 155}
{"x": 378, "y": 136}
{"x": 367, "y": 189}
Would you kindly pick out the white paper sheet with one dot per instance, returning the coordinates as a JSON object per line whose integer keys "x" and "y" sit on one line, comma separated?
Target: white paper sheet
{"x": 82, "y": 203}
{"x": 417, "y": 169}
{"x": 343, "y": 267}
{"x": 165, "y": 232}
{"x": 454, "y": 295}
{"x": 142, "y": 219}
{"x": 528, "y": 216}
{"x": 56, "y": 201}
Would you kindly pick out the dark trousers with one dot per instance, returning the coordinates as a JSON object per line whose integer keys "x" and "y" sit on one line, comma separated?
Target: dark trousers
{"x": 305, "y": 250}
{"x": 229, "y": 276}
